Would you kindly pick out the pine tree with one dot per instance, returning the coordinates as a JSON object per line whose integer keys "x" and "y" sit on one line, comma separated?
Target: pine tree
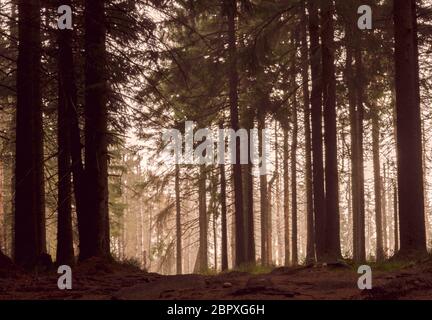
{"x": 230, "y": 8}
{"x": 317, "y": 136}
{"x": 29, "y": 173}
{"x": 377, "y": 184}
{"x": 66, "y": 104}
{"x": 310, "y": 227}
{"x": 332, "y": 243}
{"x": 224, "y": 250}
{"x": 179, "y": 259}
{"x": 410, "y": 170}
{"x": 96, "y": 133}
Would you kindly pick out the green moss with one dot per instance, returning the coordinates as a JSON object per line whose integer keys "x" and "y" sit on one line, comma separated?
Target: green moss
{"x": 131, "y": 262}
{"x": 255, "y": 269}
{"x": 209, "y": 272}
{"x": 388, "y": 266}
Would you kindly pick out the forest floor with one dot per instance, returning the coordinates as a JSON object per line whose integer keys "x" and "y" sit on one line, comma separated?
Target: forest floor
{"x": 96, "y": 280}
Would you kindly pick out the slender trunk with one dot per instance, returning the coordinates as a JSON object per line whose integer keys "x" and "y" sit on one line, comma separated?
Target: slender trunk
{"x": 232, "y": 239}
{"x": 269, "y": 221}
{"x": 317, "y": 135}
{"x": 332, "y": 244}
{"x": 3, "y": 237}
{"x": 215, "y": 251}
{"x": 150, "y": 236}
{"x": 203, "y": 223}
{"x": 425, "y": 172}
{"x": 224, "y": 248}
{"x": 310, "y": 232}
{"x": 66, "y": 103}
{"x": 67, "y": 78}
{"x": 410, "y": 171}
{"x": 294, "y": 143}
{"x": 249, "y": 213}
{"x": 356, "y": 126}
{"x": 279, "y": 226}
{"x": 240, "y": 245}
{"x": 29, "y": 173}
{"x": 286, "y": 195}
{"x": 354, "y": 149}
{"x": 361, "y": 256}
{"x": 384, "y": 210}
{"x": 377, "y": 184}
{"x": 141, "y": 253}
{"x": 178, "y": 221}
{"x": 248, "y": 193}
{"x": 264, "y": 204}
{"x": 395, "y": 214}
{"x": 96, "y": 133}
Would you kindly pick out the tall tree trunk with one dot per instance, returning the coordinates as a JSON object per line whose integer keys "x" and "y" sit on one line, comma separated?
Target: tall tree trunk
{"x": 377, "y": 183}
{"x": 294, "y": 143}
{"x": 360, "y": 83}
{"x": 141, "y": 253}
{"x": 224, "y": 249}
{"x": 317, "y": 135}
{"x": 396, "y": 220}
{"x": 384, "y": 210}
{"x": 332, "y": 244}
{"x": 66, "y": 103}
{"x": 354, "y": 147}
{"x": 410, "y": 171}
{"x": 67, "y": 85}
{"x": 270, "y": 220}
{"x": 248, "y": 193}
{"x": 215, "y": 251}
{"x": 29, "y": 173}
{"x": 249, "y": 213}
{"x": 178, "y": 222}
{"x": 286, "y": 195}
{"x": 310, "y": 232}
{"x": 230, "y": 7}
{"x": 279, "y": 226}
{"x": 356, "y": 127}
{"x": 425, "y": 173}
{"x": 264, "y": 203}
{"x": 203, "y": 221}
{"x": 96, "y": 132}
{"x": 3, "y": 234}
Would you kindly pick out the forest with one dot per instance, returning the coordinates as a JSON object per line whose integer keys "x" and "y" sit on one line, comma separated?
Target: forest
{"x": 223, "y": 144}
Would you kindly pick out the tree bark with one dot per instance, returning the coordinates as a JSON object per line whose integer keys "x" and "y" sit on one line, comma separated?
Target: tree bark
{"x": 224, "y": 248}
{"x": 332, "y": 244}
{"x": 179, "y": 260}
{"x": 96, "y": 133}
{"x": 395, "y": 214}
{"x": 317, "y": 135}
{"x": 410, "y": 171}
{"x": 377, "y": 184}
{"x": 310, "y": 227}
{"x": 248, "y": 206}
{"x": 356, "y": 127}
{"x": 360, "y": 83}
{"x": 384, "y": 210}
{"x": 66, "y": 103}
{"x": 264, "y": 203}
{"x": 230, "y": 7}
{"x": 270, "y": 220}
{"x": 203, "y": 222}
{"x": 29, "y": 172}
{"x": 294, "y": 144}
{"x": 286, "y": 195}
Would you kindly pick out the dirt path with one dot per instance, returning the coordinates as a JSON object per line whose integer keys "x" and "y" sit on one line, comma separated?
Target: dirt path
{"x": 106, "y": 282}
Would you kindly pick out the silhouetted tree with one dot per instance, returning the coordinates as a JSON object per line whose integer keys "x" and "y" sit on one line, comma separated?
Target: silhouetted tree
{"x": 409, "y": 146}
